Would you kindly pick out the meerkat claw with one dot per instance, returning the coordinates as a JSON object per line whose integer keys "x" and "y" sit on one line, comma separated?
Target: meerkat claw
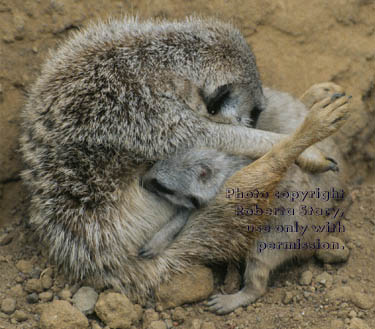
{"x": 333, "y": 165}
{"x": 337, "y": 96}
{"x": 146, "y": 253}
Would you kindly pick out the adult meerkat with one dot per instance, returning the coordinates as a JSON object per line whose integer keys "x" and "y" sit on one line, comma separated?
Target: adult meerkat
{"x": 98, "y": 117}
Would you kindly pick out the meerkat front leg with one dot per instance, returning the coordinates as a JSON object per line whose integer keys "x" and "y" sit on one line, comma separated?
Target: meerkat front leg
{"x": 324, "y": 118}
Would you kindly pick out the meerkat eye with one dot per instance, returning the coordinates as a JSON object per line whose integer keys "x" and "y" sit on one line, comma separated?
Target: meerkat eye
{"x": 194, "y": 201}
{"x": 254, "y": 115}
{"x": 215, "y": 101}
{"x": 161, "y": 188}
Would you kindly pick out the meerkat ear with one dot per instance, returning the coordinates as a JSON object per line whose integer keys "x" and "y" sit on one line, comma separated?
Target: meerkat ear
{"x": 215, "y": 101}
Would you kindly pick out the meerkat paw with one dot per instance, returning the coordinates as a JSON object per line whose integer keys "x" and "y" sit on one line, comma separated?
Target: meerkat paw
{"x": 223, "y": 304}
{"x": 314, "y": 161}
{"x": 326, "y": 117}
{"x": 320, "y": 91}
{"x": 154, "y": 247}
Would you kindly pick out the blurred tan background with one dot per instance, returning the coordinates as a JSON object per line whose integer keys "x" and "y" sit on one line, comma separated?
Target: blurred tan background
{"x": 297, "y": 43}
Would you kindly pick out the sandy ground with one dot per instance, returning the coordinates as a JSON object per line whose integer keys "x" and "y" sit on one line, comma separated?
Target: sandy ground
{"x": 296, "y": 46}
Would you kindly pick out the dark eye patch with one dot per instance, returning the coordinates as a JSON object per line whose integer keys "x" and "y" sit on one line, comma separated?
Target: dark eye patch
{"x": 216, "y": 100}
{"x": 254, "y": 115}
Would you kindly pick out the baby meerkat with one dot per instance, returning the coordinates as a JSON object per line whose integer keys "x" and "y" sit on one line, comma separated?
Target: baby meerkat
{"x": 191, "y": 179}
{"x": 188, "y": 181}
{"x": 99, "y": 117}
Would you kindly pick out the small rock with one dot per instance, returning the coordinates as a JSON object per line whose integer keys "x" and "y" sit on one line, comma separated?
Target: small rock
{"x": 60, "y": 314}
{"x": 186, "y": 288}
{"x": 352, "y": 314}
{"x": 115, "y": 310}
{"x": 46, "y": 282}
{"x": 333, "y": 256}
{"x": 85, "y": 299}
{"x": 17, "y": 291}
{"x": 20, "y": 316}
{"x": 357, "y": 323}
{"x": 362, "y": 301}
{"x": 337, "y": 324}
{"x": 305, "y": 278}
{"x": 19, "y": 279}
{"x": 8, "y": 305}
{"x": 195, "y": 324}
{"x": 288, "y": 296}
{"x": 158, "y": 325}
{"x": 179, "y": 315}
{"x": 46, "y": 296}
{"x": 149, "y": 316}
{"x": 33, "y": 285}
{"x": 208, "y": 325}
{"x": 32, "y": 298}
{"x": 24, "y": 266}
{"x": 340, "y": 293}
{"x": 95, "y": 325}
{"x": 325, "y": 279}
{"x": 65, "y": 294}
{"x": 169, "y": 323}
{"x": 138, "y": 310}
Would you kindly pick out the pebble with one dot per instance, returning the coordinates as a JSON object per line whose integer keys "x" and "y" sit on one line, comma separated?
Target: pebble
{"x": 343, "y": 292}
{"x": 149, "y": 316}
{"x": 115, "y": 310}
{"x": 19, "y": 279}
{"x": 158, "y": 325}
{"x": 46, "y": 282}
{"x": 333, "y": 256}
{"x": 179, "y": 315}
{"x": 352, "y": 314}
{"x": 17, "y": 291}
{"x": 85, "y": 299}
{"x": 24, "y": 266}
{"x": 46, "y": 296}
{"x": 32, "y": 298}
{"x": 33, "y": 285}
{"x": 186, "y": 288}
{"x": 337, "y": 324}
{"x": 288, "y": 297}
{"x": 65, "y": 294}
{"x": 60, "y": 314}
{"x": 95, "y": 325}
{"x": 8, "y": 305}
{"x": 362, "y": 301}
{"x": 169, "y": 323}
{"x": 356, "y": 323}
{"x": 20, "y": 316}
{"x": 208, "y": 325}
{"x": 195, "y": 324}
{"x": 305, "y": 278}
{"x": 325, "y": 279}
